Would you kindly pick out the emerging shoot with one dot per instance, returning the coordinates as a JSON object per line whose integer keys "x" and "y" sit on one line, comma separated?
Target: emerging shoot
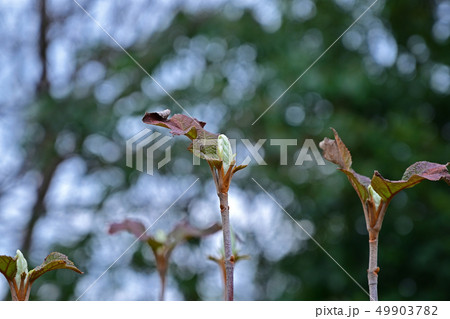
{"x": 225, "y": 152}
{"x": 162, "y": 244}
{"x": 22, "y": 267}
{"x": 15, "y": 270}
{"x": 216, "y": 150}
{"x": 376, "y": 193}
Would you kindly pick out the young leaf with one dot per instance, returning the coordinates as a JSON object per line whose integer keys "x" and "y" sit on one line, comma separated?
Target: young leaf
{"x": 163, "y": 245}
{"x": 135, "y": 227}
{"x": 377, "y": 193}
{"x": 204, "y": 143}
{"x": 205, "y": 149}
{"x": 178, "y": 124}
{"x": 336, "y": 152}
{"x": 413, "y": 175}
{"x": 20, "y": 279}
{"x": 8, "y": 267}
{"x": 185, "y": 231}
{"x": 52, "y": 262}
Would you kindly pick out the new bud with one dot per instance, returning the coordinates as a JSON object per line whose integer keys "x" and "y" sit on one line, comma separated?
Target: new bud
{"x": 375, "y": 197}
{"x": 225, "y": 152}
{"x": 22, "y": 266}
{"x": 160, "y": 236}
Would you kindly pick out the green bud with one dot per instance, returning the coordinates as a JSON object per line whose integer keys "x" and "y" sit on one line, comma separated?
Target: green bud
{"x": 22, "y": 266}
{"x": 225, "y": 152}
{"x": 160, "y": 236}
{"x": 374, "y": 195}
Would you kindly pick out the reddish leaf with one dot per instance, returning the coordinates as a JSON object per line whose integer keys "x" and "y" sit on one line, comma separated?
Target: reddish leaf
{"x": 429, "y": 171}
{"x": 52, "y": 262}
{"x": 336, "y": 152}
{"x": 135, "y": 227}
{"x": 185, "y": 231}
{"x": 178, "y": 124}
{"x": 413, "y": 175}
{"x": 162, "y": 248}
{"x": 204, "y": 142}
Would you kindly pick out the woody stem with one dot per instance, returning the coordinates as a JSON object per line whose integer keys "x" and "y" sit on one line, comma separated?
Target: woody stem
{"x": 229, "y": 259}
{"x": 372, "y": 272}
{"x": 163, "y": 287}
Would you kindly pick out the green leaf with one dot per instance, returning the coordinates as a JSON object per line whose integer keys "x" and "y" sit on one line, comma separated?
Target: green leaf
{"x": 205, "y": 149}
{"x": 52, "y": 262}
{"x": 155, "y": 245}
{"x": 413, "y": 175}
{"x": 8, "y": 267}
{"x": 359, "y": 182}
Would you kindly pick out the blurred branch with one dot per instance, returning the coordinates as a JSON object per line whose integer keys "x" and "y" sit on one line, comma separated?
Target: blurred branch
{"x": 39, "y": 206}
{"x": 41, "y": 88}
{"x": 43, "y": 84}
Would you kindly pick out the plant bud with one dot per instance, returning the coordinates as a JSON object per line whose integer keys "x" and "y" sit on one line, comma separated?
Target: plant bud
{"x": 375, "y": 197}
{"x": 160, "y": 236}
{"x": 225, "y": 152}
{"x": 22, "y": 266}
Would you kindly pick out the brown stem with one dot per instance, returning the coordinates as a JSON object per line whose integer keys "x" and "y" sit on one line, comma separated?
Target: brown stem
{"x": 214, "y": 175}
{"x": 372, "y": 272}
{"x": 21, "y": 293}
{"x": 229, "y": 259}
{"x": 12, "y": 288}
{"x": 162, "y": 264}
{"x": 163, "y": 287}
{"x": 374, "y": 220}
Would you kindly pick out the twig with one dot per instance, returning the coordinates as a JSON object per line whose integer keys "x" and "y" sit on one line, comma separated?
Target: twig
{"x": 163, "y": 287}
{"x": 374, "y": 218}
{"x": 372, "y": 272}
{"x": 229, "y": 260}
